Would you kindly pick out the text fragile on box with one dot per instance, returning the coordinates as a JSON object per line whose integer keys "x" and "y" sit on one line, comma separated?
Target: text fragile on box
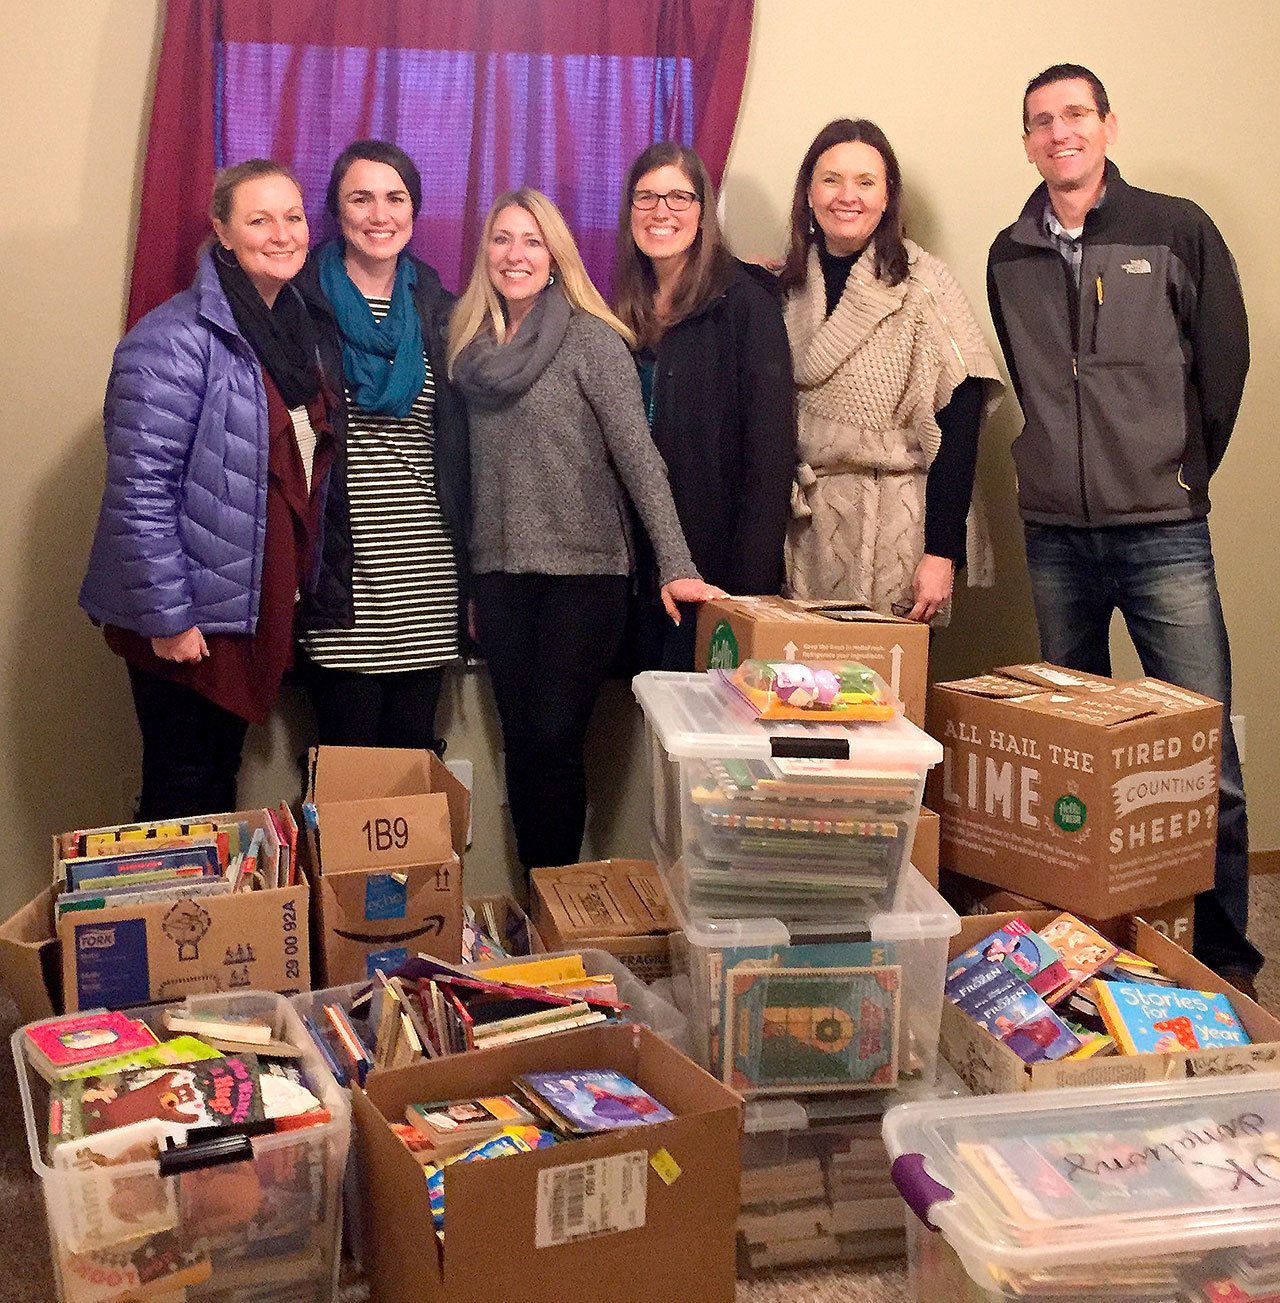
{"x": 1092, "y": 794}
{"x": 643, "y": 1214}
{"x": 734, "y": 629}
{"x": 386, "y": 828}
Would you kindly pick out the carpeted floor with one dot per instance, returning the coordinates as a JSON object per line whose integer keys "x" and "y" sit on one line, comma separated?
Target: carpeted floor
{"x": 26, "y": 1277}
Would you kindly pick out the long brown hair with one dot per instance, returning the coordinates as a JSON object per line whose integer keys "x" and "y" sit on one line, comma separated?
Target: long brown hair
{"x": 891, "y": 252}
{"x": 706, "y": 271}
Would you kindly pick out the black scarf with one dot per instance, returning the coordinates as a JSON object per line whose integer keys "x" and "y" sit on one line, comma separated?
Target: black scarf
{"x": 283, "y": 335}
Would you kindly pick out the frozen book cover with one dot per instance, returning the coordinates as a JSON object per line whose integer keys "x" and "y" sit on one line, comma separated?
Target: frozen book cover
{"x": 595, "y": 1099}
{"x": 1026, "y": 954}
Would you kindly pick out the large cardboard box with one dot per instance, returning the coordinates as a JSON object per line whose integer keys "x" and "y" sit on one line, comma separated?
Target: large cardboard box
{"x": 518, "y": 1228}
{"x": 988, "y": 1066}
{"x": 924, "y": 850}
{"x": 1092, "y": 794}
{"x": 736, "y": 629}
{"x": 619, "y": 906}
{"x": 1174, "y": 919}
{"x": 386, "y": 829}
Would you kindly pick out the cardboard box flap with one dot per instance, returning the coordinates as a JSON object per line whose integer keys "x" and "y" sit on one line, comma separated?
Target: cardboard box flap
{"x": 31, "y": 959}
{"x": 1167, "y": 696}
{"x": 1104, "y": 711}
{"x": 851, "y": 613}
{"x": 994, "y": 686}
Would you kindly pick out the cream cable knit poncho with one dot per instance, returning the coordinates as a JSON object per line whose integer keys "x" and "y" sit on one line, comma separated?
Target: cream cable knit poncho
{"x": 870, "y": 379}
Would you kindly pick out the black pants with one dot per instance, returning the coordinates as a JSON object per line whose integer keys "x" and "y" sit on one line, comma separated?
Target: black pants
{"x": 549, "y": 641}
{"x": 191, "y": 749}
{"x": 374, "y": 710}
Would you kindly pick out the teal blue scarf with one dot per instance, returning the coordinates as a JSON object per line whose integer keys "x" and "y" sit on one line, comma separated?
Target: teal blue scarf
{"x": 382, "y": 360}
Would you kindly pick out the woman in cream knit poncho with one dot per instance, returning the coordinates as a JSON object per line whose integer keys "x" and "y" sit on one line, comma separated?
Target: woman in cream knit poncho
{"x": 893, "y": 382}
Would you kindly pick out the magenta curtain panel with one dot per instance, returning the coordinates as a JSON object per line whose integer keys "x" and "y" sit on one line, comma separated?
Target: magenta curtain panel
{"x": 483, "y": 95}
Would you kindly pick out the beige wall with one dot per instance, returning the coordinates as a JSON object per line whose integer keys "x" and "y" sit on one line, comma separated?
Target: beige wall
{"x": 74, "y": 93}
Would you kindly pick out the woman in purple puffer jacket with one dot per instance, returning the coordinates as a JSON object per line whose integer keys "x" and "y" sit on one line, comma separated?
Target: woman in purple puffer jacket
{"x": 220, "y": 443}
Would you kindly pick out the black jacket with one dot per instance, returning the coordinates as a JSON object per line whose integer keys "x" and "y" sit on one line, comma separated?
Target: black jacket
{"x": 724, "y": 422}
{"x": 331, "y": 606}
{"x": 1131, "y": 383}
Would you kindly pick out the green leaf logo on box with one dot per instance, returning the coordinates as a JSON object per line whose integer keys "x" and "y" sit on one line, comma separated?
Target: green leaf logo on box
{"x": 722, "y": 651}
{"x": 1069, "y": 813}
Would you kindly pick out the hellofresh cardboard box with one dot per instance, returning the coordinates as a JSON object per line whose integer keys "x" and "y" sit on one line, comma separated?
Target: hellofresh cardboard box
{"x": 1094, "y": 795}
{"x": 736, "y": 629}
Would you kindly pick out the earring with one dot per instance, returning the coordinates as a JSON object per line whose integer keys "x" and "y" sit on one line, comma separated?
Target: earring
{"x": 551, "y": 278}
{"x": 219, "y": 250}
{"x": 812, "y": 227}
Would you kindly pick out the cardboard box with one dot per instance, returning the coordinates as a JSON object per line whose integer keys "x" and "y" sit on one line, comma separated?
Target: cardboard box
{"x": 1096, "y": 795}
{"x": 500, "y": 1235}
{"x": 516, "y": 930}
{"x": 31, "y": 959}
{"x": 924, "y": 851}
{"x": 386, "y": 844}
{"x": 736, "y": 629}
{"x": 1174, "y": 919}
{"x": 619, "y": 906}
{"x": 988, "y": 1066}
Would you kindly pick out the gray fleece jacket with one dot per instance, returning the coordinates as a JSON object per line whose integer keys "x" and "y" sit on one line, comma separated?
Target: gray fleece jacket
{"x": 552, "y": 469}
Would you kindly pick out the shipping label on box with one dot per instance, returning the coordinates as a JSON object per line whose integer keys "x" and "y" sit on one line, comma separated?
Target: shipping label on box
{"x": 131, "y": 955}
{"x": 1094, "y": 795}
{"x": 988, "y": 1066}
{"x": 735, "y": 629}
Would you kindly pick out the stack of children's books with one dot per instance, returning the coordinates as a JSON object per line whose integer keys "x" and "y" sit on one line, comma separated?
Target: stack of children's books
{"x": 545, "y": 1108}
{"x": 149, "y": 863}
{"x": 1066, "y": 992}
{"x": 428, "y": 1008}
{"x": 148, "y": 1132}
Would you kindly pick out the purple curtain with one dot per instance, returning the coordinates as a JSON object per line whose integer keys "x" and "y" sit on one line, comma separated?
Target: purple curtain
{"x": 483, "y": 96}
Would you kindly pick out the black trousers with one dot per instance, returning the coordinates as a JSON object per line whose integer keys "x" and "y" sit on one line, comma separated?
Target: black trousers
{"x": 191, "y": 749}
{"x": 549, "y": 641}
{"x": 374, "y": 710}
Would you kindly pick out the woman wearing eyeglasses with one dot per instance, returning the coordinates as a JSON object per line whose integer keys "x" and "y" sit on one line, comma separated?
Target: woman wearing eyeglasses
{"x": 715, "y": 371}
{"x": 559, "y": 448}
{"x": 893, "y": 382}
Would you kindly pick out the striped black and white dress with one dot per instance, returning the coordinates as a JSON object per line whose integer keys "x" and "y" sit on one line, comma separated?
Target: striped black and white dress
{"x": 404, "y": 575}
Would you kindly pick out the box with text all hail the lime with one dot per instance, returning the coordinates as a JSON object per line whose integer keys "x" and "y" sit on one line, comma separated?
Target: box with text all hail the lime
{"x": 1096, "y": 795}
{"x": 736, "y": 629}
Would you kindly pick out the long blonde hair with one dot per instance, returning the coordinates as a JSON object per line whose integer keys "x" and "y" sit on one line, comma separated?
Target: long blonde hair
{"x": 480, "y": 307}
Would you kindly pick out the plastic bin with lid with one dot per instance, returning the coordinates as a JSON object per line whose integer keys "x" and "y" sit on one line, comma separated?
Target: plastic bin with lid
{"x": 779, "y": 1009}
{"x": 1152, "y": 1191}
{"x": 257, "y": 1221}
{"x": 792, "y": 812}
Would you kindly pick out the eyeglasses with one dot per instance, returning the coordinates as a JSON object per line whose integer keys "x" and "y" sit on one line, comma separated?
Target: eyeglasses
{"x": 678, "y": 201}
{"x": 1074, "y": 115}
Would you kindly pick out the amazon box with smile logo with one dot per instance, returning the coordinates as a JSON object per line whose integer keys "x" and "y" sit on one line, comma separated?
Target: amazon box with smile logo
{"x": 1095, "y": 795}
{"x": 736, "y": 629}
{"x": 386, "y": 829}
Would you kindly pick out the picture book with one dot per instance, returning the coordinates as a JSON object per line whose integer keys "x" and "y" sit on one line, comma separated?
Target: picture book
{"x": 861, "y": 954}
{"x": 177, "y": 1049}
{"x": 802, "y": 1029}
{"x": 221, "y": 1092}
{"x": 1023, "y": 952}
{"x": 450, "y": 1126}
{"x": 1155, "y": 1020}
{"x": 1083, "y": 951}
{"x": 57, "y": 1048}
{"x": 159, "y": 1267}
{"x": 196, "y": 854}
{"x": 220, "y": 1026}
{"x": 582, "y": 1101}
{"x": 126, "y": 893}
{"x": 1010, "y": 1010}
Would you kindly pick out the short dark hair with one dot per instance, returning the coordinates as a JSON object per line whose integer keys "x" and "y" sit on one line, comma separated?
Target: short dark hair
{"x": 374, "y": 151}
{"x": 706, "y": 272}
{"x": 229, "y": 179}
{"x": 1067, "y": 72}
{"x": 891, "y": 251}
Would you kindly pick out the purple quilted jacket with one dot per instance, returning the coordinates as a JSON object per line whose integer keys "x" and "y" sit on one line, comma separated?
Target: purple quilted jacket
{"x": 183, "y": 522}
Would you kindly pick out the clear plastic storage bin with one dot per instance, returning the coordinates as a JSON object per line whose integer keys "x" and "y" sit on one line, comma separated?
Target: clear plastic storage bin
{"x": 763, "y": 818}
{"x": 1162, "y": 1192}
{"x": 783, "y": 1010}
{"x": 262, "y": 1226}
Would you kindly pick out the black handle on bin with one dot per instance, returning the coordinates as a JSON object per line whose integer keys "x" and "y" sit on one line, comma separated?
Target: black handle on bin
{"x": 213, "y": 1152}
{"x": 809, "y": 748}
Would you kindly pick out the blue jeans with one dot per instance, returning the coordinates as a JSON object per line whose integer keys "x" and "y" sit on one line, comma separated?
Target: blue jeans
{"x": 1161, "y": 579}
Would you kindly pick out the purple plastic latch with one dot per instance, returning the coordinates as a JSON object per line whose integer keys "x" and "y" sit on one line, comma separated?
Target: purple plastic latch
{"x": 917, "y": 1187}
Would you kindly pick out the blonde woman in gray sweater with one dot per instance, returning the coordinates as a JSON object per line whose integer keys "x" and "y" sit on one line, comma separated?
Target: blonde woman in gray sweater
{"x": 559, "y": 446}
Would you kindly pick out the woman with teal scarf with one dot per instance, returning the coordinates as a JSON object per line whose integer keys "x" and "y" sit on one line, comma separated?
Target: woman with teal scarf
{"x": 402, "y": 491}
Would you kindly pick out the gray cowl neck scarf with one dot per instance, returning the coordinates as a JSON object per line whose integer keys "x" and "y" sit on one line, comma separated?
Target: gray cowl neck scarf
{"x": 492, "y": 374}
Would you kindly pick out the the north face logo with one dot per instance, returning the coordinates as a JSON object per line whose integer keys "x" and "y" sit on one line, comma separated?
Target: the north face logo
{"x": 1136, "y": 267}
